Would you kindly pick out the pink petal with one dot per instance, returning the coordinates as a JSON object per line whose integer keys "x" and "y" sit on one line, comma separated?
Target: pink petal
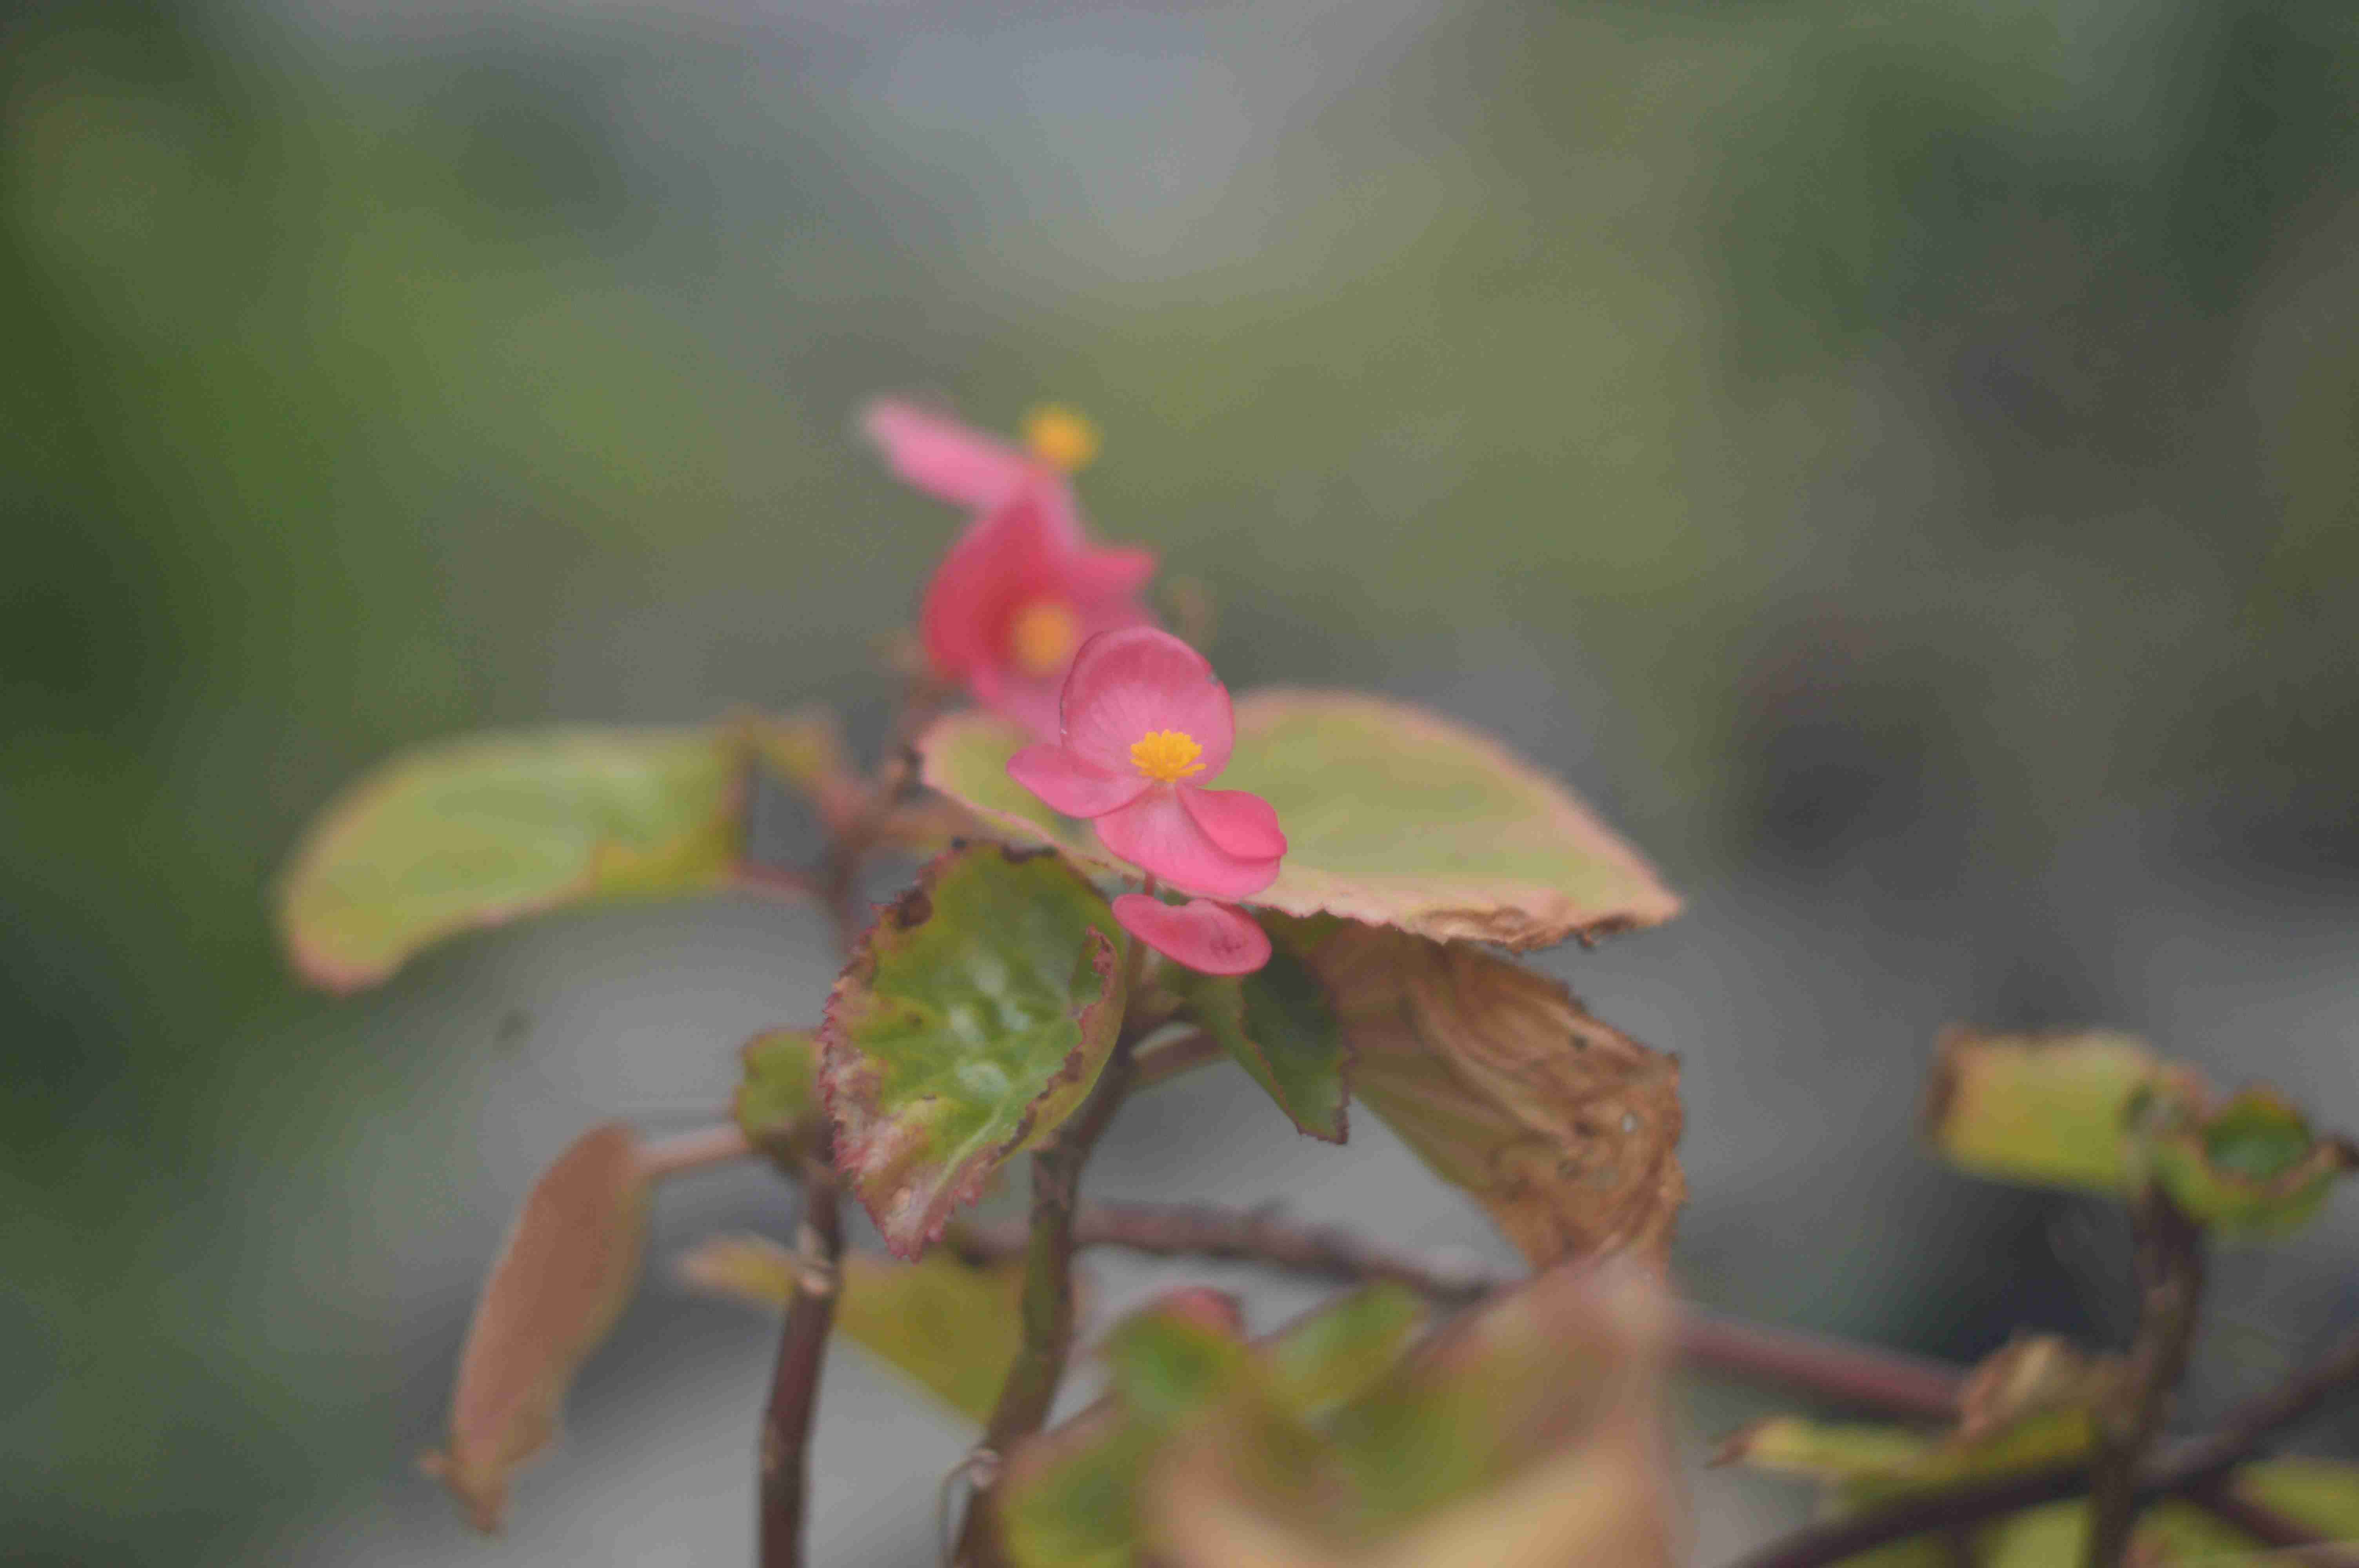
{"x": 1156, "y": 834}
{"x": 1116, "y": 573}
{"x": 1239, "y": 821}
{"x": 1005, "y": 557}
{"x": 1072, "y": 785}
{"x": 942, "y": 457}
{"x": 1124, "y": 685}
{"x": 1211, "y": 938}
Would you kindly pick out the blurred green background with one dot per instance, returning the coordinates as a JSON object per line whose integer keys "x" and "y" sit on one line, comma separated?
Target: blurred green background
{"x": 1900, "y": 459}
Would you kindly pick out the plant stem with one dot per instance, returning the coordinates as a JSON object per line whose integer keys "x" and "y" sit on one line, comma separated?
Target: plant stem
{"x": 802, "y": 1344}
{"x": 1827, "y": 1370}
{"x": 2170, "y": 1267}
{"x": 1047, "y": 1310}
{"x": 2191, "y": 1471}
{"x": 696, "y": 1150}
{"x": 794, "y": 1381}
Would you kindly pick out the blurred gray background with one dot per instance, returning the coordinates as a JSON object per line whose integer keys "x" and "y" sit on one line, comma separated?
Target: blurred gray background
{"x": 1899, "y": 460}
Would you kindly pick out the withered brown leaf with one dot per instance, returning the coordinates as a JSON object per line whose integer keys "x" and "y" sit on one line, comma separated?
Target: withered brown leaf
{"x": 563, "y": 1277}
{"x": 1563, "y": 1127}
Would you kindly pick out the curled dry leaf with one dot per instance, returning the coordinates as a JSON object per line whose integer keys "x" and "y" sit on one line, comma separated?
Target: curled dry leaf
{"x": 569, "y": 1266}
{"x": 972, "y": 1021}
{"x": 1563, "y": 1127}
{"x": 1393, "y": 816}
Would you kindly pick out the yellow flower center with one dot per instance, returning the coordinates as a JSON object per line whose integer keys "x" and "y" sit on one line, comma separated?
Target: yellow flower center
{"x": 1060, "y": 438}
{"x": 1042, "y": 635}
{"x": 1168, "y": 755}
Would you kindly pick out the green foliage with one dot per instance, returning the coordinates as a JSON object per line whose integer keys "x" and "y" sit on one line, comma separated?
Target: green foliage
{"x": 949, "y": 1325}
{"x": 2100, "y": 1112}
{"x": 1393, "y": 817}
{"x": 1320, "y": 1443}
{"x": 479, "y": 831}
{"x": 974, "y": 1018}
{"x": 1280, "y": 1025}
{"x": 777, "y": 1102}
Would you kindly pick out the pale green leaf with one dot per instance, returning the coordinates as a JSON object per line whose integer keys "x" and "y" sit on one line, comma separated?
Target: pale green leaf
{"x": 481, "y": 830}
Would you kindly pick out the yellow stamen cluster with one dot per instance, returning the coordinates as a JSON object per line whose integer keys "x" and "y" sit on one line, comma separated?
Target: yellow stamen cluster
{"x": 1060, "y": 438}
{"x": 1042, "y": 635}
{"x": 1168, "y": 755}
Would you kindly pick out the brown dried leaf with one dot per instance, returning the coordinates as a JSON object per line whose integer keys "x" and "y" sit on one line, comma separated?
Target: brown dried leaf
{"x": 563, "y": 1277}
{"x": 1564, "y": 1129}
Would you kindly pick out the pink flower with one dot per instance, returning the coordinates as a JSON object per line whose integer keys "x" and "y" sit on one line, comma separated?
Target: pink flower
{"x": 1212, "y": 937}
{"x": 1146, "y": 725}
{"x": 1023, "y": 587}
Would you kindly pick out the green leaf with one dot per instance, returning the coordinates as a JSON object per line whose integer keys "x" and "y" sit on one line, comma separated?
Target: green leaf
{"x": 949, "y": 1326}
{"x": 1528, "y": 1431}
{"x": 2048, "y": 1110}
{"x": 2251, "y": 1162}
{"x": 1393, "y": 817}
{"x": 481, "y": 830}
{"x": 563, "y": 1277}
{"x": 777, "y": 1102}
{"x": 1280, "y": 1025}
{"x": 974, "y": 1019}
{"x": 1071, "y": 1498}
{"x": 2101, "y": 1112}
{"x": 1563, "y": 1128}
{"x": 1334, "y": 1355}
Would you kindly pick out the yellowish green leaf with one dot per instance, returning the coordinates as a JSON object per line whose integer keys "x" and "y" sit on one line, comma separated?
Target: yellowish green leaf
{"x": 481, "y": 830}
{"x": 2250, "y": 1163}
{"x": 2043, "y": 1109}
{"x": 952, "y": 1327}
{"x": 568, "y": 1268}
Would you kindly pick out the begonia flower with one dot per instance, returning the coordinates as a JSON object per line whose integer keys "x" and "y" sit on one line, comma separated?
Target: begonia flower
{"x": 1144, "y": 726}
{"x": 1212, "y": 937}
{"x": 1023, "y": 586}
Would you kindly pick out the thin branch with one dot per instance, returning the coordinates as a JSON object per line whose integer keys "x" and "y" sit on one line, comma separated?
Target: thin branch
{"x": 2188, "y": 1471}
{"x": 696, "y": 1150}
{"x": 1827, "y": 1370}
{"x": 1168, "y": 1060}
{"x": 802, "y": 1342}
{"x": 794, "y": 1381}
{"x": 1047, "y": 1309}
{"x": 2274, "y": 1529}
{"x": 2170, "y": 1267}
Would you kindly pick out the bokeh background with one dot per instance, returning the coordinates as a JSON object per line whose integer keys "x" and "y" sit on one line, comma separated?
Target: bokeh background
{"x": 1900, "y": 459}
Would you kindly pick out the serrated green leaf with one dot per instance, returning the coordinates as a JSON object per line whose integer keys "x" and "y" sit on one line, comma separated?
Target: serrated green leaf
{"x": 974, "y": 1018}
{"x": 1280, "y": 1026}
{"x": 949, "y": 1326}
{"x": 1565, "y": 1129}
{"x": 1393, "y": 817}
{"x": 777, "y": 1102}
{"x": 484, "y": 829}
